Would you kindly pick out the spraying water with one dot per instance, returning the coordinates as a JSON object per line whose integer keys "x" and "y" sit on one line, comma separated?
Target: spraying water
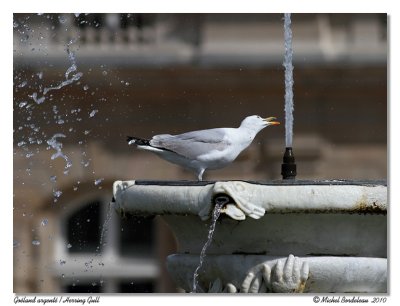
{"x": 287, "y": 63}
{"x": 71, "y": 69}
{"x": 215, "y": 214}
{"x": 56, "y": 145}
{"x": 289, "y": 169}
{"x": 104, "y": 229}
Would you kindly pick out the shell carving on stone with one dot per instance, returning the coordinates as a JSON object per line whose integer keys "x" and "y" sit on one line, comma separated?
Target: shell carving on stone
{"x": 240, "y": 207}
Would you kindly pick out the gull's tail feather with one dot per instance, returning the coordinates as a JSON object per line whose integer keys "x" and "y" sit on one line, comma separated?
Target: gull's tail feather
{"x": 137, "y": 141}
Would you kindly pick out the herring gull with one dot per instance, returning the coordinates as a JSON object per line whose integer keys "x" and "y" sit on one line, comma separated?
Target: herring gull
{"x": 204, "y": 149}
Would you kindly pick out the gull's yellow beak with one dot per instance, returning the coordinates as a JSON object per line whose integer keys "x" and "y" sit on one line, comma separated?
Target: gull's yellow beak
{"x": 270, "y": 121}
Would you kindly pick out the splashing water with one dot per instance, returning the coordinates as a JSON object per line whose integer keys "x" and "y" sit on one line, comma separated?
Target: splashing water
{"x": 58, "y": 147}
{"x": 287, "y": 63}
{"x": 72, "y": 58}
{"x": 36, "y": 99}
{"x": 36, "y": 242}
{"x": 23, "y": 84}
{"x": 71, "y": 69}
{"x": 74, "y": 78}
{"x": 92, "y": 113}
{"x": 68, "y": 81}
{"x": 22, "y": 104}
{"x": 105, "y": 227}
{"x": 56, "y": 194}
{"x": 215, "y": 215}
{"x": 98, "y": 181}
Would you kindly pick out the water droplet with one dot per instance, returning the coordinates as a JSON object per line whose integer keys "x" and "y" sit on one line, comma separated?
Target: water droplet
{"x": 127, "y": 83}
{"x": 104, "y": 73}
{"x": 87, "y": 132}
{"x": 23, "y": 84}
{"x": 92, "y": 113}
{"x": 75, "y": 188}
{"x": 40, "y": 74}
{"x": 94, "y": 284}
{"x": 69, "y": 245}
{"x": 36, "y": 242}
{"x": 15, "y": 24}
{"x": 53, "y": 178}
{"x": 77, "y": 14}
{"x": 57, "y": 193}
{"x": 62, "y": 262}
{"x": 63, "y": 275}
{"x": 16, "y": 243}
{"x": 86, "y": 87}
{"x": 24, "y": 38}
{"x": 61, "y": 18}
{"x": 44, "y": 222}
{"x": 98, "y": 181}
{"x": 21, "y": 143}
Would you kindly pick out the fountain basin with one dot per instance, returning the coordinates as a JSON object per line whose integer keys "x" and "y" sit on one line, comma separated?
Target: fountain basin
{"x": 341, "y": 224}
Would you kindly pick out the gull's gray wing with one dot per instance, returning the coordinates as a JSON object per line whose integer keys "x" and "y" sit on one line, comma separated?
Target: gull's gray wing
{"x": 192, "y": 144}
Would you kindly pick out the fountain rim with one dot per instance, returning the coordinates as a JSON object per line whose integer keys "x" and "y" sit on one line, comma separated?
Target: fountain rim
{"x": 197, "y": 198}
{"x": 332, "y": 182}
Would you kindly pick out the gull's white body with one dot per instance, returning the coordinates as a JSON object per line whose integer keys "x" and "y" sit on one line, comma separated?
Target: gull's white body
{"x": 205, "y": 149}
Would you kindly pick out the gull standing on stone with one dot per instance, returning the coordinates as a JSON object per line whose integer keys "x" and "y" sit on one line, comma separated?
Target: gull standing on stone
{"x": 204, "y": 149}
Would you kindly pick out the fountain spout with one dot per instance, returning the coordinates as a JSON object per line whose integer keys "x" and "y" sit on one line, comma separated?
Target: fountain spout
{"x": 289, "y": 168}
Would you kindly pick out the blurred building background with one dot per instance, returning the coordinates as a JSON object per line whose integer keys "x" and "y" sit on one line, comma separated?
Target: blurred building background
{"x": 145, "y": 74}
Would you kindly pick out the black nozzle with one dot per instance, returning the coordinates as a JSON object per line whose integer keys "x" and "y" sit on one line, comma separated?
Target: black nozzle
{"x": 289, "y": 171}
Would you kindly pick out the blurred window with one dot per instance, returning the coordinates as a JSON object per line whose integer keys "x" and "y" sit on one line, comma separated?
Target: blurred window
{"x": 125, "y": 260}
{"x": 83, "y": 229}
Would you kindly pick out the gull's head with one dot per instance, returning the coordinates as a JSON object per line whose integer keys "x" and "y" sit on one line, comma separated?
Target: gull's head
{"x": 257, "y": 123}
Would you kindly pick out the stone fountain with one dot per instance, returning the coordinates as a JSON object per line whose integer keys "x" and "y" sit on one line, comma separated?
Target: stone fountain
{"x": 278, "y": 236}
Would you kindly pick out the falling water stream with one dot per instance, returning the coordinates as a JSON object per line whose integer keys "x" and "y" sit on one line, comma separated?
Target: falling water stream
{"x": 215, "y": 214}
{"x": 104, "y": 229}
{"x": 287, "y": 63}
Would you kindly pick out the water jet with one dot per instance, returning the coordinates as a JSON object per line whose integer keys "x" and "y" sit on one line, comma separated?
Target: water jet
{"x": 288, "y": 168}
